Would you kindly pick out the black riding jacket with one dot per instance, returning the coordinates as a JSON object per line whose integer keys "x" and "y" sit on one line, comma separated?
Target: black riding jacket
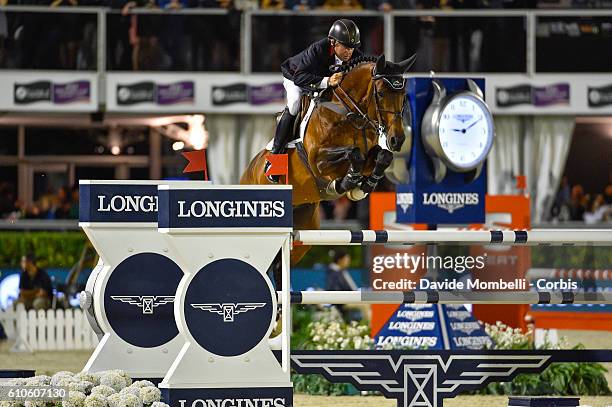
{"x": 310, "y": 66}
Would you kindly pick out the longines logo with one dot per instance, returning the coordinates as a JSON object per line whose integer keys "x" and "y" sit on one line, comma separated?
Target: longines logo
{"x": 404, "y": 200}
{"x": 410, "y": 328}
{"x": 415, "y": 315}
{"x": 127, "y": 203}
{"x": 228, "y": 310}
{"x": 450, "y": 201}
{"x": 460, "y": 315}
{"x": 472, "y": 342}
{"x": 232, "y": 209}
{"x": 263, "y": 402}
{"x": 146, "y": 302}
{"x": 465, "y": 327}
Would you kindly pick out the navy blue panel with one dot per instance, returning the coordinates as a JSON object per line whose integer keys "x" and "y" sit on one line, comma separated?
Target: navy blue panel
{"x": 139, "y": 299}
{"x": 117, "y": 203}
{"x": 357, "y": 236}
{"x": 16, "y": 373}
{"x": 235, "y": 397}
{"x": 163, "y": 197}
{"x": 227, "y": 208}
{"x": 452, "y": 201}
{"x": 84, "y": 203}
{"x": 544, "y": 401}
{"x": 231, "y": 299}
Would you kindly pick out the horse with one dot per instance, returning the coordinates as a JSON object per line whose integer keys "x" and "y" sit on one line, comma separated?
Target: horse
{"x": 348, "y": 142}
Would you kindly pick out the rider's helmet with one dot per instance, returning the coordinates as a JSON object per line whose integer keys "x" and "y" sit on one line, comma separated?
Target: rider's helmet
{"x": 345, "y": 31}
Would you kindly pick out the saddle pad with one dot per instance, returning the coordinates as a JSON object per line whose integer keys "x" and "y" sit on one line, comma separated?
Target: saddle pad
{"x": 303, "y": 126}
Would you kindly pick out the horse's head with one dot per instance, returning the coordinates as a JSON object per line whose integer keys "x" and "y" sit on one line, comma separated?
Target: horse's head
{"x": 389, "y": 94}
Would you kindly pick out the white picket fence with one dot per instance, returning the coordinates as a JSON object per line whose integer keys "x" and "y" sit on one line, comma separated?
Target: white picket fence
{"x": 48, "y": 330}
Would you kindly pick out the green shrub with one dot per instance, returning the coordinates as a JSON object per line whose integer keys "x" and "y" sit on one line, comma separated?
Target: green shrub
{"x": 52, "y": 249}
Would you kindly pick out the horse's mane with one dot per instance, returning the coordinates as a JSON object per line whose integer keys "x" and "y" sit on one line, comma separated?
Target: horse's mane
{"x": 354, "y": 63}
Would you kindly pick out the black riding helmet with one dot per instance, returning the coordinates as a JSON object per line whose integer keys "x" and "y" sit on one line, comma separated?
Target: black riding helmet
{"x": 345, "y": 32}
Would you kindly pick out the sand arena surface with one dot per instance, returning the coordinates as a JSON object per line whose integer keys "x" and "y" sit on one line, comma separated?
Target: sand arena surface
{"x": 49, "y": 362}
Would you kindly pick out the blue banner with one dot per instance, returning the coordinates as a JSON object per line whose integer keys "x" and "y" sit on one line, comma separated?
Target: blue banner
{"x": 225, "y": 208}
{"x": 117, "y": 203}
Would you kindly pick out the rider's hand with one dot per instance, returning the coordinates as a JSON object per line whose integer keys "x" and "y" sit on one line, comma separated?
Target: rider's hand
{"x": 335, "y": 79}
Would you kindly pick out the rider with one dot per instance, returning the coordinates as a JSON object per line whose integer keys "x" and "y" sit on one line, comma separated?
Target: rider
{"x": 311, "y": 68}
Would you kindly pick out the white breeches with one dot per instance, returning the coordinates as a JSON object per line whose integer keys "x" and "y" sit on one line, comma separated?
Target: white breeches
{"x": 294, "y": 96}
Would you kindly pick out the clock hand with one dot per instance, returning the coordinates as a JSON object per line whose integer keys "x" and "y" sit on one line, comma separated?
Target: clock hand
{"x": 472, "y": 125}
{"x": 459, "y": 130}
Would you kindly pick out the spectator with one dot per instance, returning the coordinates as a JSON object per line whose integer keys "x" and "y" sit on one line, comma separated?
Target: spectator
{"x": 598, "y": 211}
{"x": 577, "y": 203}
{"x": 35, "y": 289}
{"x": 337, "y": 277}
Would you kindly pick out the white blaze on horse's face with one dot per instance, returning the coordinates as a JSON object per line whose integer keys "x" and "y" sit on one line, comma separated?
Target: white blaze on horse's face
{"x": 383, "y": 140}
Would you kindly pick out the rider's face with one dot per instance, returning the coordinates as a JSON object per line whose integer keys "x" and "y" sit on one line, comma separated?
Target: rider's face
{"x": 343, "y": 52}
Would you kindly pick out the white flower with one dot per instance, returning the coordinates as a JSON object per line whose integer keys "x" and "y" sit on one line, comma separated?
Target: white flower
{"x": 75, "y": 399}
{"x": 88, "y": 377}
{"x": 31, "y": 403}
{"x": 130, "y": 400}
{"x": 18, "y": 381}
{"x": 131, "y": 390}
{"x": 150, "y": 394}
{"x": 123, "y": 374}
{"x": 103, "y": 390}
{"x": 96, "y": 400}
{"x": 114, "y": 400}
{"x": 159, "y": 404}
{"x": 82, "y": 386}
{"x": 114, "y": 380}
{"x": 142, "y": 383}
{"x": 64, "y": 377}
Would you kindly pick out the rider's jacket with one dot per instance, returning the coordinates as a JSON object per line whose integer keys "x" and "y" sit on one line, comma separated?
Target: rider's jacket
{"x": 310, "y": 66}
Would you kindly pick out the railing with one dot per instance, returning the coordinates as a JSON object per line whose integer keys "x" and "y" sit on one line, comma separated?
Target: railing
{"x": 207, "y": 40}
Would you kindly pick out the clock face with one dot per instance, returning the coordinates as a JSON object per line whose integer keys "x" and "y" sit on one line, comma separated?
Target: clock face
{"x": 465, "y": 131}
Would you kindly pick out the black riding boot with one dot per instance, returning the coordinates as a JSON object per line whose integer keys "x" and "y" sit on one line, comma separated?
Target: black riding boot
{"x": 281, "y": 137}
{"x": 283, "y": 132}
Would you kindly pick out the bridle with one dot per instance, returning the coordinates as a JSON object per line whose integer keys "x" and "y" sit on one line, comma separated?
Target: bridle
{"x": 360, "y": 120}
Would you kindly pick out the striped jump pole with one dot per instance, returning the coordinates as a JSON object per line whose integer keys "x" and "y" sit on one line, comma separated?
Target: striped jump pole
{"x": 578, "y": 274}
{"x": 541, "y": 237}
{"x": 449, "y": 297}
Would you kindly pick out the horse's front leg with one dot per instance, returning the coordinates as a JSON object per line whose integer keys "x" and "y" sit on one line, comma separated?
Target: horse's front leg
{"x": 382, "y": 162}
{"x": 351, "y": 180}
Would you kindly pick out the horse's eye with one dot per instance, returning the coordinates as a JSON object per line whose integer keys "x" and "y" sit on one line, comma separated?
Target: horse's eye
{"x": 380, "y": 94}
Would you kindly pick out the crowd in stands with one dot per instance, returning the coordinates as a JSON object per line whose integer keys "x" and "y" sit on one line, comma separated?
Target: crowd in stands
{"x": 60, "y": 204}
{"x": 573, "y": 204}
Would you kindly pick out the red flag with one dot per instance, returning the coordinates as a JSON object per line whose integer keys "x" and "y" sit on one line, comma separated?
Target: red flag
{"x": 197, "y": 162}
{"x": 521, "y": 182}
{"x": 279, "y": 165}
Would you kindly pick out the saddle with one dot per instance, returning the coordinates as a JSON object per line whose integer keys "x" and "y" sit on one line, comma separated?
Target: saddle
{"x": 310, "y": 99}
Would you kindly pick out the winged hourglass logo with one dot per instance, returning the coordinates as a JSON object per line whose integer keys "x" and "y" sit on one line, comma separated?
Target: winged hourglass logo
{"x": 228, "y": 310}
{"x": 146, "y": 302}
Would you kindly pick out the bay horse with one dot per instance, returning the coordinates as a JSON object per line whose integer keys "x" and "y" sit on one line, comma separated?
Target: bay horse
{"x": 348, "y": 141}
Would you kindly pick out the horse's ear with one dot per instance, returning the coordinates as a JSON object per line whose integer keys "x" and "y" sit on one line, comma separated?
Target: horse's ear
{"x": 380, "y": 65}
{"x": 406, "y": 64}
